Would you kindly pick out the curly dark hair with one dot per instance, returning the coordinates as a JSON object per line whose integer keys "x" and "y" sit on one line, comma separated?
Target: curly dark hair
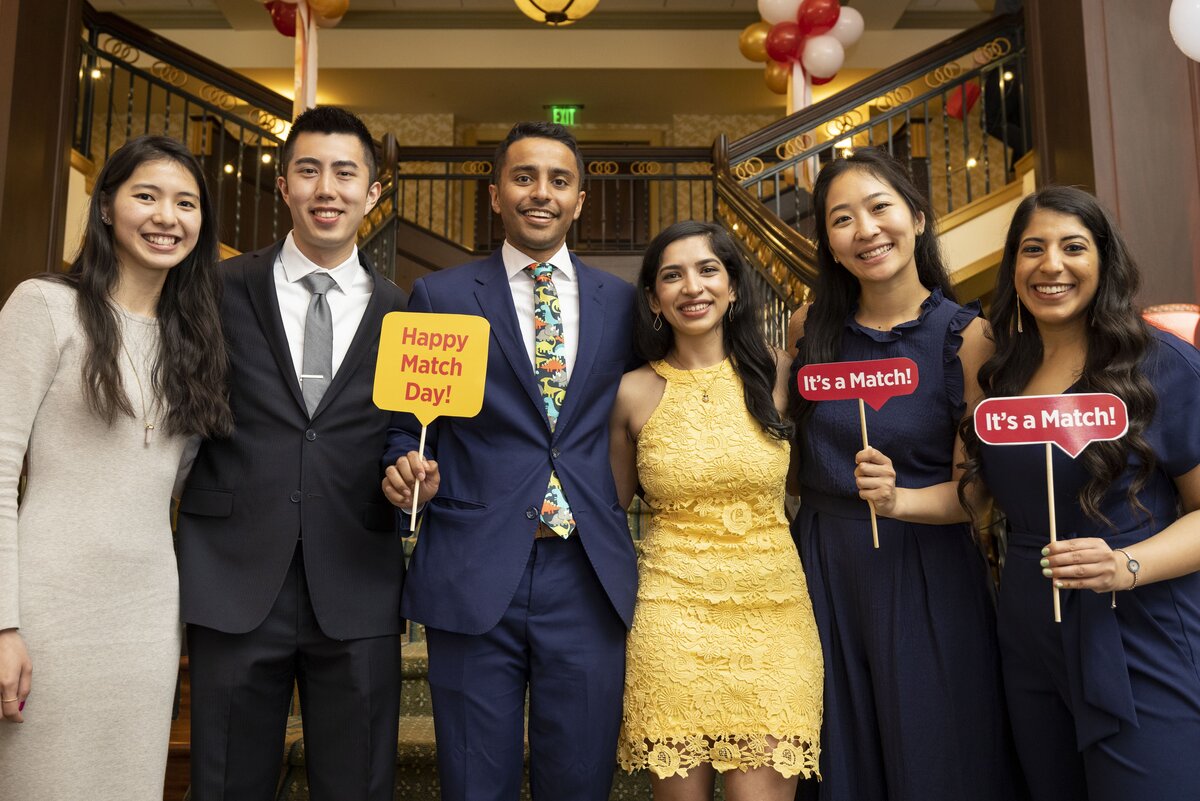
{"x": 837, "y": 290}
{"x": 1117, "y": 343}
{"x": 191, "y": 366}
{"x": 742, "y": 331}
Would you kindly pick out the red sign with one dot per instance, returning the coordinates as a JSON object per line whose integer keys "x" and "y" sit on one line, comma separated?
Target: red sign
{"x": 876, "y": 381}
{"x": 1069, "y": 421}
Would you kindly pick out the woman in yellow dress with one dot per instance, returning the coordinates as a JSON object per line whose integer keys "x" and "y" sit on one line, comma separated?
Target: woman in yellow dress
{"x": 723, "y": 666}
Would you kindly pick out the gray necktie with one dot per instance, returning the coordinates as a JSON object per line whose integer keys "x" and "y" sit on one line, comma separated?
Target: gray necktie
{"x": 316, "y": 366}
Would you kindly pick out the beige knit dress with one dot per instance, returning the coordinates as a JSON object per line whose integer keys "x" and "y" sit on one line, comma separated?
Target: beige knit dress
{"x": 87, "y": 569}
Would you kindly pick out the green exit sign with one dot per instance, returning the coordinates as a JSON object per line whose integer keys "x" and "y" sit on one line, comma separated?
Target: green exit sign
{"x": 564, "y": 115}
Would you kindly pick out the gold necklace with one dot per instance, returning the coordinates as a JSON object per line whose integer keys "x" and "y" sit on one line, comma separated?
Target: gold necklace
{"x": 693, "y": 380}
{"x": 146, "y": 421}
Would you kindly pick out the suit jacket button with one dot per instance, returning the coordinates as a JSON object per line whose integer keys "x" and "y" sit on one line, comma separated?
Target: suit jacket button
{"x": 296, "y": 496}
{"x": 554, "y": 453}
{"x": 310, "y": 435}
{"x": 531, "y": 513}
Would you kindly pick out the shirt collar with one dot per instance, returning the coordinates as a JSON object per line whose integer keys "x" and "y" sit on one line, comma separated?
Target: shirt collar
{"x": 515, "y": 261}
{"x": 296, "y": 265}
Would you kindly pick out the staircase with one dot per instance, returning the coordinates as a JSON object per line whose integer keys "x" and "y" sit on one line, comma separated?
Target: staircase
{"x": 972, "y": 160}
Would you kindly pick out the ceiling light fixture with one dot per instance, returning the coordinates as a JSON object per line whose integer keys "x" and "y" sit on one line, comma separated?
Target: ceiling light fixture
{"x": 556, "y": 13}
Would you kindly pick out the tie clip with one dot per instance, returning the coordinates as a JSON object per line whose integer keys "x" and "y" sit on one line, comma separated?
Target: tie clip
{"x": 310, "y": 375}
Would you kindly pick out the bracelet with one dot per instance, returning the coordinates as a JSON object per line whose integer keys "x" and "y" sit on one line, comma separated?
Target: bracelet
{"x": 1132, "y": 564}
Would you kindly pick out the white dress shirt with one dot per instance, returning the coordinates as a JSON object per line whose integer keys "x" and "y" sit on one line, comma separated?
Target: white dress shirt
{"x": 566, "y": 283}
{"x": 347, "y": 300}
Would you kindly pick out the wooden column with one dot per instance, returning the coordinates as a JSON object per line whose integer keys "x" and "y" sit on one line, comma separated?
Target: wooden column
{"x": 39, "y": 68}
{"x": 1116, "y": 110}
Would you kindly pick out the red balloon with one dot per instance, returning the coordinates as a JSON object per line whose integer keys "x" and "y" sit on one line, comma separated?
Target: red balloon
{"x": 283, "y": 16}
{"x": 820, "y": 81}
{"x": 960, "y": 101}
{"x": 818, "y": 16}
{"x": 784, "y": 41}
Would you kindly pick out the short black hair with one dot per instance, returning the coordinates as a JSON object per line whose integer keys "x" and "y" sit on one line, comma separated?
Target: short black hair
{"x": 329, "y": 120}
{"x": 541, "y": 130}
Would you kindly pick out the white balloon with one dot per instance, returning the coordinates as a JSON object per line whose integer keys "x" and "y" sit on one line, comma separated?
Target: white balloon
{"x": 849, "y": 26}
{"x": 823, "y": 55}
{"x": 775, "y": 11}
{"x": 1185, "y": 26}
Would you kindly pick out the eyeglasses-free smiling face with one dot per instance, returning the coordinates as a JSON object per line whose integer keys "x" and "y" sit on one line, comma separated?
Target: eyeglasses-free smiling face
{"x": 155, "y": 216}
{"x": 692, "y": 290}
{"x": 538, "y": 195}
{"x": 1057, "y": 271}
{"x": 872, "y": 232}
{"x": 328, "y": 189}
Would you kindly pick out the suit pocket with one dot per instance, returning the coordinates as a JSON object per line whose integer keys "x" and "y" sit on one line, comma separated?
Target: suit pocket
{"x": 448, "y": 502}
{"x": 206, "y": 502}
{"x": 379, "y": 517}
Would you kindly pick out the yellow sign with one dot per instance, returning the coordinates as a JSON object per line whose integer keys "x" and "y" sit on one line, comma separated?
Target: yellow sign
{"x": 432, "y": 365}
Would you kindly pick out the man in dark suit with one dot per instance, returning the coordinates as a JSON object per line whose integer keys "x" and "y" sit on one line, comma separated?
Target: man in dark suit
{"x": 290, "y": 563}
{"x": 524, "y": 571}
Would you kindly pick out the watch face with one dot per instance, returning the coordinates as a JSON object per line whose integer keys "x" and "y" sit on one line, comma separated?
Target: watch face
{"x": 1134, "y": 566}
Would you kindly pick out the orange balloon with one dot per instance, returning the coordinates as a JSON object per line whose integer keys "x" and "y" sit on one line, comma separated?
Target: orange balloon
{"x": 776, "y": 74}
{"x": 326, "y": 23}
{"x": 753, "y": 41}
{"x": 329, "y": 9}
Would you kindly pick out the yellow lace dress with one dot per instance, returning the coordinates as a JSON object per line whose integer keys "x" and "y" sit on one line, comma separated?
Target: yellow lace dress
{"x": 723, "y": 661}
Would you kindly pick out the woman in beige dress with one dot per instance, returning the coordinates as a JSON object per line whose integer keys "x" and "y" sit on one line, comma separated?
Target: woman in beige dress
{"x": 105, "y": 372}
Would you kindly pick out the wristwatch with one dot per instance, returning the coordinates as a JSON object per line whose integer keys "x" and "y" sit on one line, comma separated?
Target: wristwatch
{"x": 1131, "y": 563}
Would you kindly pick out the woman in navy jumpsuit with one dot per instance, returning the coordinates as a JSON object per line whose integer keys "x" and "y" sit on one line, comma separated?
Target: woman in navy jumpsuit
{"x": 1106, "y": 705}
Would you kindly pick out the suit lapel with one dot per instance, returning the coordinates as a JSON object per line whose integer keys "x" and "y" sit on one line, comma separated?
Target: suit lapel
{"x": 495, "y": 299}
{"x": 591, "y": 334}
{"x": 260, "y": 283}
{"x": 364, "y": 338}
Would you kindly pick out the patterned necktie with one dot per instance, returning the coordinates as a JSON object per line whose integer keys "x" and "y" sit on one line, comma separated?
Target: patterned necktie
{"x": 316, "y": 364}
{"x": 550, "y": 369}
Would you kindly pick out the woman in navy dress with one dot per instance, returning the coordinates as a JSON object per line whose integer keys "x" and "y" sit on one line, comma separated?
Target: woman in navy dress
{"x": 1105, "y": 705}
{"x": 913, "y": 703}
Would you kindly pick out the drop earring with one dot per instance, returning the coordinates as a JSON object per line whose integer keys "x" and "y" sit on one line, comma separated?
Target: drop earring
{"x": 1020, "y": 327}
{"x": 657, "y": 326}
{"x": 729, "y": 314}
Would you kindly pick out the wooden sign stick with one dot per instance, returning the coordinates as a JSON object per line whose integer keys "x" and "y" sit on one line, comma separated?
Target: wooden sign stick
{"x": 412, "y": 520}
{"x": 1053, "y": 522}
{"x": 862, "y": 420}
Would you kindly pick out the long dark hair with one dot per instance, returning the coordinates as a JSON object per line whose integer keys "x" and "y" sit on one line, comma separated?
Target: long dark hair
{"x": 742, "y": 330}
{"x": 1117, "y": 342}
{"x": 837, "y": 290}
{"x": 190, "y": 368}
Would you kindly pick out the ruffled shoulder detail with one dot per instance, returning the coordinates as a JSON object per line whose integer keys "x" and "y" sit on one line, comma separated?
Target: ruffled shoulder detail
{"x": 930, "y": 303}
{"x": 953, "y": 373}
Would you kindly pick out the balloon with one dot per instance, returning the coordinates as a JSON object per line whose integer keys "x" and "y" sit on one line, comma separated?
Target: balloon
{"x": 960, "y": 101}
{"x": 322, "y": 22}
{"x": 776, "y": 74}
{"x": 819, "y": 81}
{"x": 823, "y": 56}
{"x": 818, "y": 16}
{"x": 329, "y": 9}
{"x": 1184, "y": 22}
{"x": 849, "y": 26}
{"x": 784, "y": 41}
{"x": 283, "y": 16}
{"x": 776, "y": 11}
{"x": 753, "y": 40}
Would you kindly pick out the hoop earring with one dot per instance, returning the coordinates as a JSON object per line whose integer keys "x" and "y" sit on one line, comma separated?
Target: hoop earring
{"x": 657, "y": 325}
{"x": 1020, "y": 327}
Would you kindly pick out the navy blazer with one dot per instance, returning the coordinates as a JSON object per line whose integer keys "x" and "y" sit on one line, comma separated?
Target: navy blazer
{"x": 281, "y": 474}
{"x": 477, "y": 532}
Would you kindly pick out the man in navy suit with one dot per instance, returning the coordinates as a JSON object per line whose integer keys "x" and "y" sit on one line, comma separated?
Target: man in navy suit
{"x": 524, "y": 572}
{"x": 290, "y": 562}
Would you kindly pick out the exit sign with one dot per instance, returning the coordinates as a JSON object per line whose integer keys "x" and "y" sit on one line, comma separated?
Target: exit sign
{"x": 564, "y": 115}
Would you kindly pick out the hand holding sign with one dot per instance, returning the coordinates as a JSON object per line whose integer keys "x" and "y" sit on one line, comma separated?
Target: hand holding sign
{"x": 1071, "y": 422}
{"x": 431, "y": 365}
{"x": 874, "y": 382}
